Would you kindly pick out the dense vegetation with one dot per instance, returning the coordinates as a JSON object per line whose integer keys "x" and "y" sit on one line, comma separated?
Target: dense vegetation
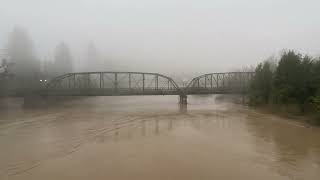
{"x": 294, "y": 80}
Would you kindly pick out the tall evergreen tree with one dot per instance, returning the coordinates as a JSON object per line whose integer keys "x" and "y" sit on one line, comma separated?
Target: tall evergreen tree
{"x": 287, "y": 77}
{"x": 305, "y": 88}
{"x": 261, "y": 85}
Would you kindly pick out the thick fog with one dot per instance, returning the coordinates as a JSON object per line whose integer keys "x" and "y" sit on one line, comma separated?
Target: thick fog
{"x": 173, "y": 37}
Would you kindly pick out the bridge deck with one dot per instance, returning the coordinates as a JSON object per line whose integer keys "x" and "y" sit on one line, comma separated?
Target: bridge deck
{"x": 133, "y": 92}
{"x": 108, "y": 92}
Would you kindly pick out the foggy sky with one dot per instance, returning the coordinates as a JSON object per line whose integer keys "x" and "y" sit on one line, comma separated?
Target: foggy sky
{"x": 168, "y": 36}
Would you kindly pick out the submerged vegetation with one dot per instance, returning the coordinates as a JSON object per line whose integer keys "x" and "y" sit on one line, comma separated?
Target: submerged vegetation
{"x": 292, "y": 82}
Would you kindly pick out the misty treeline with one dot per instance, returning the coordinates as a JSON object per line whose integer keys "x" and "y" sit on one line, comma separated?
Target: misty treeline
{"x": 27, "y": 70}
{"x": 291, "y": 81}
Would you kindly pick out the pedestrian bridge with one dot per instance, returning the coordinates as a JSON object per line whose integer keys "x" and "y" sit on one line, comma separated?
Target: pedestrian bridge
{"x": 141, "y": 83}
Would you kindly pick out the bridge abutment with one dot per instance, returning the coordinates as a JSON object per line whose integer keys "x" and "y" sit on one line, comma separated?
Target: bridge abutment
{"x": 183, "y": 99}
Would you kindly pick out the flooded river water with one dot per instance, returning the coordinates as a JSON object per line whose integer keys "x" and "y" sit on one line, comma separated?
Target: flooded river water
{"x": 153, "y": 138}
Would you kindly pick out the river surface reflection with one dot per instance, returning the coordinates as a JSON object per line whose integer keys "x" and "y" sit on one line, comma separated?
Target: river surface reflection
{"x": 153, "y": 137}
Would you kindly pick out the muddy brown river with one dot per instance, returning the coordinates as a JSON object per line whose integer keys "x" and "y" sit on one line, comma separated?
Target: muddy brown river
{"x": 154, "y": 138}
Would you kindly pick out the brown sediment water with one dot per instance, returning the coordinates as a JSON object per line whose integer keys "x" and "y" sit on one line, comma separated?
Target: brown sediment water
{"x": 153, "y": 137}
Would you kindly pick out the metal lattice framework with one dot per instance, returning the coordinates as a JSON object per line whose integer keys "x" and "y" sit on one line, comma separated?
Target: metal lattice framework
{"x": 112, "y": 84}
{"x": 215, "y": 83}
{"x": 140, "y": 83}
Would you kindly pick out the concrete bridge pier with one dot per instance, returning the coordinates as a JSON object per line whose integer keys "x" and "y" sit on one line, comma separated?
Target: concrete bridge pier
{"x": 183, "y": 99}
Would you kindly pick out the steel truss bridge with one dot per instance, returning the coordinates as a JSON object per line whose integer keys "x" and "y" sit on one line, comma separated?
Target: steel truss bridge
{"x": 141, "y": 83}
{"x": 220, "y": 83}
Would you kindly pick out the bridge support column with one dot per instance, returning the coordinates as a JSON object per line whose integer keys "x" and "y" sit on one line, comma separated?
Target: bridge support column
{"x": 183, "y": 99}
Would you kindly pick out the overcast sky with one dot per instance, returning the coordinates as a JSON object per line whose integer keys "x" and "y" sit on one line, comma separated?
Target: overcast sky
{"x": 169, "y": 35}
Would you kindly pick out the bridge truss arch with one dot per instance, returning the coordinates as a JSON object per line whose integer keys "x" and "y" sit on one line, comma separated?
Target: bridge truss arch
{"x": 112, "y": 84}
{"x": 220, "y": 83}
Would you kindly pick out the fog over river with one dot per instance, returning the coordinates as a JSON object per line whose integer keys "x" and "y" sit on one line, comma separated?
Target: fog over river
{"x": 154, "y": 138}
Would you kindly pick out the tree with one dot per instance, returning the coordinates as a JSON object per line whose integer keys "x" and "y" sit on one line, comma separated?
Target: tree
{"x": 315, "y": 84}
{"x": 316, "y": 104}
{"x": 316, "y": 76}
{"x": 287, "y": 77}
{"x": 63, "y": 59}
{"x": 261, "y": 85}
{"x": 295, "y": 81}
{"x": 305, "y": 88}
{"x": 21, "y": 53}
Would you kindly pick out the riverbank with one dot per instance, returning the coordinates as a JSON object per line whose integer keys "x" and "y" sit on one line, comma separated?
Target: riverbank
{"x": 291, "y": 112}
